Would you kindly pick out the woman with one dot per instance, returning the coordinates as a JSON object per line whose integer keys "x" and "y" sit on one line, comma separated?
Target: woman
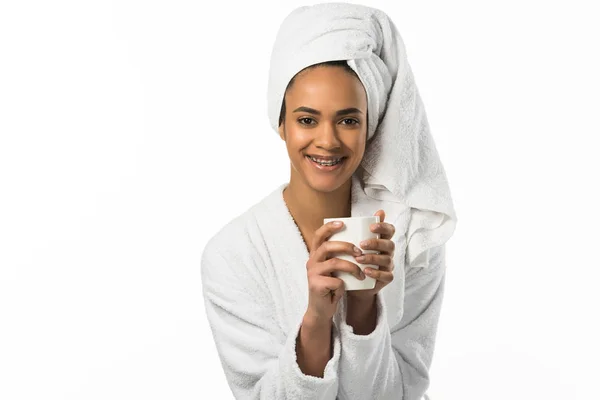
{"x": 342, "y": 97}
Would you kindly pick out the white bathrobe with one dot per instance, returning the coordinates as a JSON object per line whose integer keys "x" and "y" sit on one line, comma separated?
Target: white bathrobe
{"x": 255, "y": 291}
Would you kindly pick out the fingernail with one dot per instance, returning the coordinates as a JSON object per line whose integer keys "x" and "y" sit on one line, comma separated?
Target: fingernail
{"x": 357, "y": 250}
{"x": 337, "y": 223}
{"x": 364, "y": 243}
{"x": 360, "y": 258}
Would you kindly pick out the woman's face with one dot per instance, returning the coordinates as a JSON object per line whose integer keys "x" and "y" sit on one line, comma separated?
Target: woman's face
{"x": 326, "y": 115}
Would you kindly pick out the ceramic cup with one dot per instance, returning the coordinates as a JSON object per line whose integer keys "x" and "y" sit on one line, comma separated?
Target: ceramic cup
{"x": 355, "y": 230}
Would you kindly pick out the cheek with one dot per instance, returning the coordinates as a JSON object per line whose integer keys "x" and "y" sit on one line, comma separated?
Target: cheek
{"x": 359, "y": 147}
{"x": 297, "y": 140}
{"x": 359, "y": 144}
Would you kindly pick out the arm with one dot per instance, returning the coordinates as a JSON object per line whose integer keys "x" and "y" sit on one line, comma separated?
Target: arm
{"x": 392, "y": 363}
{"x": 313, "y": 345}
{"x": 259, "y": 360}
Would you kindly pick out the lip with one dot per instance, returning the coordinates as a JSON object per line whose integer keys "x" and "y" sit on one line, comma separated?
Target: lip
{"x": 324, "y": 168}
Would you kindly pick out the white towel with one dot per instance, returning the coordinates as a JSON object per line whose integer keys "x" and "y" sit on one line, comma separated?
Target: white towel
{"x": 401, "y": 167}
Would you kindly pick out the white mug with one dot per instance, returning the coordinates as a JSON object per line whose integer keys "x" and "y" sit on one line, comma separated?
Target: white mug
{"x": 355, "y": 230}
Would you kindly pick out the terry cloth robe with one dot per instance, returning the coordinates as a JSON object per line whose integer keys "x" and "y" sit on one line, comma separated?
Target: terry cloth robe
{"x": 255, "y": 291}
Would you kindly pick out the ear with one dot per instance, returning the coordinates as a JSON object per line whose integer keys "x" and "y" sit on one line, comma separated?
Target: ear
{"x": 281, "y": 130}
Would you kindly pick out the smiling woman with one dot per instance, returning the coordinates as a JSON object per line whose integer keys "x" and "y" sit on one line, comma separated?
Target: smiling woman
{"x": 342, "y": 97}
{"x": 328, "y": 125}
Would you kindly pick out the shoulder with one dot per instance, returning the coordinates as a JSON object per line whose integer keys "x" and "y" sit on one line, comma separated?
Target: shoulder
{"x": 241, "y": 238}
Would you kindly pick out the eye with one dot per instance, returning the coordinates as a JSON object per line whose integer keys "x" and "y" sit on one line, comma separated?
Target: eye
{"x": 351, "y": 119}
{"x": 304, "y": 119}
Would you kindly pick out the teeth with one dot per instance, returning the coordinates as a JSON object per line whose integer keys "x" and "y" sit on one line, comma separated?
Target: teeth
{"x": 325, "y": 162}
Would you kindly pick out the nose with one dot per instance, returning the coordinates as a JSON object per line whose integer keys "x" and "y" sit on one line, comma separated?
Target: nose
{"x": 327, "y": 137}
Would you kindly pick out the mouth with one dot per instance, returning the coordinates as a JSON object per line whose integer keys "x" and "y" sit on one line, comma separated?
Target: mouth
{"x": 326, "y": 166}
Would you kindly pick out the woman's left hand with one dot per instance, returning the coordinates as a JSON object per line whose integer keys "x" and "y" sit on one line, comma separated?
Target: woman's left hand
{"x": 385, "y": 259}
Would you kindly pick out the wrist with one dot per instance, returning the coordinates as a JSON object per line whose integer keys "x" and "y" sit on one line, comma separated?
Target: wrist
{"x": 316, "y": 334}
{"x": 361, "y": 305}
{"x": 361, "y": 315}
{"x": 315, "y": 321}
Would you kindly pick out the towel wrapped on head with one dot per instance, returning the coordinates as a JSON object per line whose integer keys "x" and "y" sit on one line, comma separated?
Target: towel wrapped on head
{"x": 401, "y": 167}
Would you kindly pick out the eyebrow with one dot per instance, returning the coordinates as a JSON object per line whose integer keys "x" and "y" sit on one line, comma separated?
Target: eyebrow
{"x": 345, "y": 111}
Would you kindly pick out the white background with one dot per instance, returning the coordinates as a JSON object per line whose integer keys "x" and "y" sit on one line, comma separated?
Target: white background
{"x": 131, "y": 131}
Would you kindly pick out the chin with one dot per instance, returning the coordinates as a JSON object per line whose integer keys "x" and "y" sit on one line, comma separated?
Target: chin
{"x": 325, "y": 185}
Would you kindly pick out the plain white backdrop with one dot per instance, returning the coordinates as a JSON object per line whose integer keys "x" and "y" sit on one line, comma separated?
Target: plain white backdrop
{"x": 131, "y": 131}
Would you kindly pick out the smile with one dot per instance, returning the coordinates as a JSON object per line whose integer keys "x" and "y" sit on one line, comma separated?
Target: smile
{"x": 329, "y": 166}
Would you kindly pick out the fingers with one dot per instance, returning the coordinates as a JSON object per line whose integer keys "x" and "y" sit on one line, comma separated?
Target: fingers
{"x": 385, "y": 230}
{"x": 325, "y": 232}
{"x": 337, "y": 264}
{"x": 383, "y": 245}
{"x": 326, "y": 262}
{"x": 330, "y": 248}
{"x": 380, "y": 275}
{"x": 384, "y": 261}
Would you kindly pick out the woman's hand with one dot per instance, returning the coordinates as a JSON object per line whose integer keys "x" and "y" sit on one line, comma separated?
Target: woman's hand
{"x": 325, "y": 290}
{"x": 385, "y": 259}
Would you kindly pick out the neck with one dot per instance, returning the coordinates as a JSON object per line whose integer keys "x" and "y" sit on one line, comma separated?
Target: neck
{"x": 309, "y": 207}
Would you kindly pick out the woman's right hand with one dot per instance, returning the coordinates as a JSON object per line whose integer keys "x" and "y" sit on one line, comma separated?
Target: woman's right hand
{"x": 326, "y": 290}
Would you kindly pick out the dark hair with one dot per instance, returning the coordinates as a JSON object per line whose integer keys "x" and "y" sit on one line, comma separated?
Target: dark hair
{"x": 335, "y": 63}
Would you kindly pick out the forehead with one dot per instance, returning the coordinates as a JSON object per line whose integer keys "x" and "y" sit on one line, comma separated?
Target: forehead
{"x": 327, "y": 86}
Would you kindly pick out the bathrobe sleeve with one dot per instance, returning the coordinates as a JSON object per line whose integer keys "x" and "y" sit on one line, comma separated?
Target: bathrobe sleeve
{"x": 392, "y": 363}
{"x": 258, "y": 358}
